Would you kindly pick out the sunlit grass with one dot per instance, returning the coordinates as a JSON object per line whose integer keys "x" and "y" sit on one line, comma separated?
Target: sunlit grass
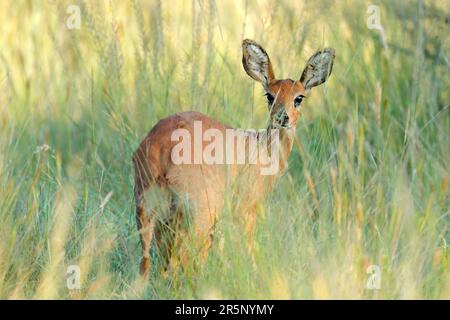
{"x": 368, "y": 177}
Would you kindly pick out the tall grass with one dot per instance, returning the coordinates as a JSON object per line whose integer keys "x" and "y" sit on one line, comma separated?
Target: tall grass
{"x": 368, "y": 177}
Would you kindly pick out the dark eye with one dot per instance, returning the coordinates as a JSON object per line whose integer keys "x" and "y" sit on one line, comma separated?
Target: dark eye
{"x": 298, "y": 101}
{"x": 270, "y": 98}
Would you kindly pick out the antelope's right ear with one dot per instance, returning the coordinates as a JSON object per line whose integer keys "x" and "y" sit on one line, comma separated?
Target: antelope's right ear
{"x": 256, "y": 62}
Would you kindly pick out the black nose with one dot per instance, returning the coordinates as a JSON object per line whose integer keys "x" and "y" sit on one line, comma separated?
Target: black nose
{"x": 285, "y": 121}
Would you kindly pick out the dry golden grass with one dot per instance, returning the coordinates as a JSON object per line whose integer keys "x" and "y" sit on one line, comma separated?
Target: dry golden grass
{"x": 368, "y": 177}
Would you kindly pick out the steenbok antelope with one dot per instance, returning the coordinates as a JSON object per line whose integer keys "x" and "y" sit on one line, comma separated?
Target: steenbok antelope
{"x": 163, "y": 185}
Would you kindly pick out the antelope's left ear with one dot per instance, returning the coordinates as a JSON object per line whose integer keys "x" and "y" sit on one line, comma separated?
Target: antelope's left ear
{"x": 318, "y": 68}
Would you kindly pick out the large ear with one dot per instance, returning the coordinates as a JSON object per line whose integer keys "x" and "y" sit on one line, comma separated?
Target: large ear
{"x": 318, "y": 68}
{"x": 256, "y": 62}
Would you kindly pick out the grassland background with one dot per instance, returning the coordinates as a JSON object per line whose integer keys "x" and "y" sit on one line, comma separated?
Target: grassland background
{"x": 368, "y": 177}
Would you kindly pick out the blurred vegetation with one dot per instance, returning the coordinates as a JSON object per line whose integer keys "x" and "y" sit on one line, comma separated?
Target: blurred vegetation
{"x": 368, "y": 177}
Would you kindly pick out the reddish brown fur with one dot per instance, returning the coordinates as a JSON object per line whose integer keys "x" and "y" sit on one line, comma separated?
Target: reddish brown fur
{"x": 286, "y": 91}
{"x": 206, "y": 185}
